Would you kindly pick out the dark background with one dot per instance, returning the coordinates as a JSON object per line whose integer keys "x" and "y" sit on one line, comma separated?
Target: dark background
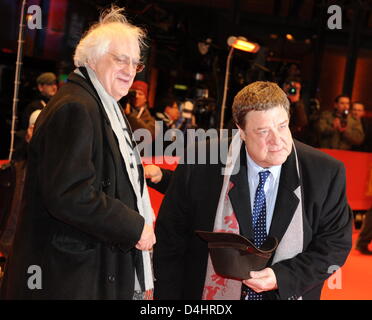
{"x": 331, "y": 61}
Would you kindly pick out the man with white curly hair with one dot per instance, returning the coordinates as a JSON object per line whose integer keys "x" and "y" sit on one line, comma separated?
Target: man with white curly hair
{"x": 87, "y": 224}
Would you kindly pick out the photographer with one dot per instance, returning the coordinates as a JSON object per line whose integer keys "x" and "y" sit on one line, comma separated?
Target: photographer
{"x": 136, "y": 108}
{"x": 166, "y": 123}
{"x": 298, "y": 119}
{"x": 170, "y": 113}
{"x": 338, "y": 129}
{"x": 358, "y": 113}
{"x": 187, "y": 118}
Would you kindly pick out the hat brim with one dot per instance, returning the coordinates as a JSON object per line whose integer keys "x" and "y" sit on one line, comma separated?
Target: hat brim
{"x": 234, "y": 256}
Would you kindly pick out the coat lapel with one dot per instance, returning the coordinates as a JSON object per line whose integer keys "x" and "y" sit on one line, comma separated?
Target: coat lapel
{"x": 138, "y": 157}
{"x": 286, "y": 201}
{"x": 240, "y": 199}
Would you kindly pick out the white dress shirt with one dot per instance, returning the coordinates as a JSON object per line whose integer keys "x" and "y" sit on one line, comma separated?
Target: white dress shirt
{"x": 270, "y": 188}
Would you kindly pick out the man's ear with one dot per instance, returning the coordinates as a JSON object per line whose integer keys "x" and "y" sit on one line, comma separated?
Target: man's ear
{"x": 40, "y": 87}
{"x": 241, "y": 132}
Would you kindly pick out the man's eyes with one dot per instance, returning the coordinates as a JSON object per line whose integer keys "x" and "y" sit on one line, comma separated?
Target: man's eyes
{"x": 126, "y": 62}
{"x": 122, "y": 61}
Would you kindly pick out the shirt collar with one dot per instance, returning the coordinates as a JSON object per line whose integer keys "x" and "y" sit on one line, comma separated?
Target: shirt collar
{"x": 254, "y": 168}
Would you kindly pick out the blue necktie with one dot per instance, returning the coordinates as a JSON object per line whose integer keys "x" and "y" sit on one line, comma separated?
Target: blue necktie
{"x": 259, "y": 222}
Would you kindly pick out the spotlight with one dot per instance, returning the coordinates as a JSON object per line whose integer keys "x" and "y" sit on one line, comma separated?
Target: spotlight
{"x": 239, "y": 43}
{"x": 243, "y": 44}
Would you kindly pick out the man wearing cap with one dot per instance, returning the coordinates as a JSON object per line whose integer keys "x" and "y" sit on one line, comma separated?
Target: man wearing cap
{"x": 47, "y": 88}
{"x": 137, "y": 110}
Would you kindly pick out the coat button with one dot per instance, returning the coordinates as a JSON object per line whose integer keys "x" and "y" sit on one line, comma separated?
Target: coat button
{"x": 106, "y": 183}
{"x": 111, "y": 278}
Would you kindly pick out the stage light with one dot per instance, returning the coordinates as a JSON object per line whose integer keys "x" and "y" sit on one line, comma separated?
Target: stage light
{"x": 289, "y": 37}
{"x": 239, "y": 43}
{"x": 243, "y": 44}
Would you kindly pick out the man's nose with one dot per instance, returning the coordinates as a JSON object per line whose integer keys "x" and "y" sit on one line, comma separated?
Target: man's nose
{"x": 128, "y": 70}
{"x": 275, "y": 137}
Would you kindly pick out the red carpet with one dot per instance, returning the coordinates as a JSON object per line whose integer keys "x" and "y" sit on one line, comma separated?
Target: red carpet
{"x": 356, "y": 278}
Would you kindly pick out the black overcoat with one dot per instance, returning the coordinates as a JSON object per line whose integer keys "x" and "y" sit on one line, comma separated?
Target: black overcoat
{"x": 180, "y": 256}
{"x": 79, "y": 221}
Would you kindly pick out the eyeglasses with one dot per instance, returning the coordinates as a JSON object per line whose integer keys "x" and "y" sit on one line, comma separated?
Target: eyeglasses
{"x": 125, "y": 61}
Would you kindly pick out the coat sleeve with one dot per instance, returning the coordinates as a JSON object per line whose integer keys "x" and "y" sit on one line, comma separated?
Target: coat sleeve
{"x": 68, "y": 175}
{"x": 354, "y": 132}
{"x": 329, "y": 248}
{"x": 162, "y": 185}
{"x": 325, "y": 124}
{"x": 173, "y": 233}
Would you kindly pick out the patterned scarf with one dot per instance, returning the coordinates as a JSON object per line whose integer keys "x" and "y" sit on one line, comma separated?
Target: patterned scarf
{"x": 217, "y": 287}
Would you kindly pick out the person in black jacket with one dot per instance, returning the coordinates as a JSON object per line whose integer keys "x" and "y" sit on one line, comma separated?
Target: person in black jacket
{"x": 303, "y": 205}
{"x": 47, "y": 88}
{"x": 86, "y": 227}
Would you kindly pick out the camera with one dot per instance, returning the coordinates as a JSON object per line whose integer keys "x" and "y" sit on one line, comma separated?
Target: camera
{"x": 343, "y": 118}
{"x": 205, "y": 110}
{"x": 187, "y": 110}
{"x": 292, "y": 90}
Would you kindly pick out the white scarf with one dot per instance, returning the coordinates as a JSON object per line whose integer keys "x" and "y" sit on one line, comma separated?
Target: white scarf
{"x": 128, "y": 154}
{"x": 217, "y": 287}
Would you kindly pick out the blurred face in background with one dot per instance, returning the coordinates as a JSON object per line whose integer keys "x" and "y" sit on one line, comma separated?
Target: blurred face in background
{"x": 140, "y": 99}
{"x": 173, "y": 112}
{"x": 342, "y": 104}
{"x": 357, "y": 111}
{"x": 48, "y": 90}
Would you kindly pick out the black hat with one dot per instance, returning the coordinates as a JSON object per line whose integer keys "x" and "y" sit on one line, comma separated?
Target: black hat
{"x": 234, "y": 256}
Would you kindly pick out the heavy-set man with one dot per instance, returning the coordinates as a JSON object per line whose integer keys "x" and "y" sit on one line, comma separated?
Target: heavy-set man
{"x": 279, "y": 187}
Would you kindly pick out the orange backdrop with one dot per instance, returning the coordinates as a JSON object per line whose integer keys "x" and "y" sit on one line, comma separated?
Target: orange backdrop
{"x": 358, "y": 178}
